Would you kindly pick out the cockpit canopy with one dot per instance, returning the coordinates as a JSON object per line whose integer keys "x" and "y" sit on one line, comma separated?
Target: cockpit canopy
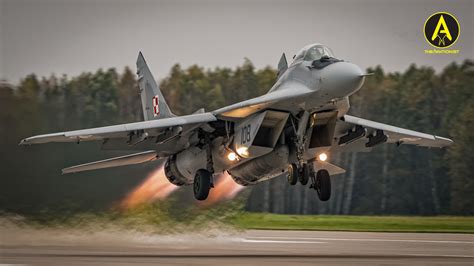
{"x": 313, "y": 52}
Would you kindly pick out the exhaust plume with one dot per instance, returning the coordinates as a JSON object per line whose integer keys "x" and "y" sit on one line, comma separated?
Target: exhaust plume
{"x": 155, "y": 187}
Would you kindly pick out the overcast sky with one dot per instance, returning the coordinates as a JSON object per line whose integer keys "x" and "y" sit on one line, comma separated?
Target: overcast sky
{"x": 69, "y": 36}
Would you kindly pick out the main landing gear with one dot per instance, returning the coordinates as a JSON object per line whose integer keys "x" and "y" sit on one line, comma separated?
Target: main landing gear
{"x": 322, "y": 184}
{"x": 320, "y": 181}
{"x": 202, "y": 184}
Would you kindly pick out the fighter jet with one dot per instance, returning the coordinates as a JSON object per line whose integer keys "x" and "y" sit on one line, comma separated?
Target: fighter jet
{"x": 291, "y": 129}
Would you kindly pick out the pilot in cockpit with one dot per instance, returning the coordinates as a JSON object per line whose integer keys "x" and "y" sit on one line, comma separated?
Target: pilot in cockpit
{"x": 313, "y": 52}
{"x": 318, "y": 54}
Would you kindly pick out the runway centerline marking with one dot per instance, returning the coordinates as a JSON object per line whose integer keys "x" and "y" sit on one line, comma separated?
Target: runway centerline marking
{"x": 441, "y": 255}
{"x": 281, "y": 241}
{"x": 361, "y": 239}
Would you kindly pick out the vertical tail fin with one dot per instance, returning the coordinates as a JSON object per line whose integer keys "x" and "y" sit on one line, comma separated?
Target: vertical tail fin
{"x": 153, "y": 103}
{"x": 282, "y": 65}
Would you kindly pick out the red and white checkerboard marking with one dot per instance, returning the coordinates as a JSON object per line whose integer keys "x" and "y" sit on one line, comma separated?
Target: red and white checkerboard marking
{"x": 156, "y": 107}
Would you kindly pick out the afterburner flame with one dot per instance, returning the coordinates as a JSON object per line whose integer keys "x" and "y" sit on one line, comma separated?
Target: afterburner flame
{"x": 225, "y": 188}
{"x": 155, "y": 187}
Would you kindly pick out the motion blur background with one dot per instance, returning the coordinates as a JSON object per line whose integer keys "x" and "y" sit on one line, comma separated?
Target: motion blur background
{"x": 67, "y": 65}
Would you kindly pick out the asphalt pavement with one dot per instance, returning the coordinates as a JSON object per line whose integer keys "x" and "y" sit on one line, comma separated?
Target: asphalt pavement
{"x": 253, "y": 247}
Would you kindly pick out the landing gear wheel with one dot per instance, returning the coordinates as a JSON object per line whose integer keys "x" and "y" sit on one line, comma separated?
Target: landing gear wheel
{"x": 292, "y": 174}
{"x": 323, "y": 185}
{"x": 202, "y": 184}
{"x": 304, "y": 176}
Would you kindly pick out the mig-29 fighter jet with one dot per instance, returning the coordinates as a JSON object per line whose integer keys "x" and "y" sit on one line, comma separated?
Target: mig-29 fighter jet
{"x": 290, "y": 129}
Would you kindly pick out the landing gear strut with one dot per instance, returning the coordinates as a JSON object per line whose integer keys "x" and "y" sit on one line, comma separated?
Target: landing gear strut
{"x": 322, "y": 184}
{"x": 202, "y": 184}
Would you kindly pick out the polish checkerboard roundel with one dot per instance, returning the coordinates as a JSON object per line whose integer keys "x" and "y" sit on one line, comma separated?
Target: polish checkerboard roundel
{"x": 156, "y": 107}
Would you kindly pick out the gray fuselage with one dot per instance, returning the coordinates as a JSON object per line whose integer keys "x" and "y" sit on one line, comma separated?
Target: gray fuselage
{"x": 329, "y": 86}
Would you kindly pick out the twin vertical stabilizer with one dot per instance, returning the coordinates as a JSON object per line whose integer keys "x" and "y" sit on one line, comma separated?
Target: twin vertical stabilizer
{"x": 153, "y": 103}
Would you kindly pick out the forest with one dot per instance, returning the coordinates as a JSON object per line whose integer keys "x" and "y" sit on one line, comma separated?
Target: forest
{"x": 391, "y": 180}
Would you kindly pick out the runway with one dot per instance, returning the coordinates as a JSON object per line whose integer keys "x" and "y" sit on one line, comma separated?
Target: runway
{"x": 236, "y": 248}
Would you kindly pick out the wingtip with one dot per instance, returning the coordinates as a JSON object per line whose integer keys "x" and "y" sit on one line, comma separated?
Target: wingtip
{"x": 445, "y": 141}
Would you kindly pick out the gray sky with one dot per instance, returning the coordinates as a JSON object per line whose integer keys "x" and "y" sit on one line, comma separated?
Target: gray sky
{"x": 51, "y": 36}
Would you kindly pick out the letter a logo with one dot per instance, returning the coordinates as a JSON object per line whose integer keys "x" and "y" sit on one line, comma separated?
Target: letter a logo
{"x": 441, "y": 30}
{"x": 438, "y": 31}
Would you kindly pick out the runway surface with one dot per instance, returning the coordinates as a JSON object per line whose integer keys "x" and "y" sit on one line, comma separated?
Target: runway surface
{"x": 236, "y": 248}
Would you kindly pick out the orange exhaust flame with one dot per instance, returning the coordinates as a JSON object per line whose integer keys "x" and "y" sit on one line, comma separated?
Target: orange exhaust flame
{"x": 155, "y": 187}
{"x": 224, "y": 189}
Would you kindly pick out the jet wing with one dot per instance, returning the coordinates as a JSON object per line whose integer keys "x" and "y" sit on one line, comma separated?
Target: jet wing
{"x": 151, "y": 127}
{"x": 395, "y": 134}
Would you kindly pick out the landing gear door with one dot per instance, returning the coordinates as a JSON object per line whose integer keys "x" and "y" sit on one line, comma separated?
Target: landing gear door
{"x": 258, "y": 134}
{"x": 245, "y": 132}
{"x": 321, "y": 133}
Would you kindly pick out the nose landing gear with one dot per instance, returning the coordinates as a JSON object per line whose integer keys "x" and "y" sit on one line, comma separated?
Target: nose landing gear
{"x": 305, "y": 174}
{"x": 293, "y": 173}
{"x": 302, "y": 174}
{"x": 320, "y": 180}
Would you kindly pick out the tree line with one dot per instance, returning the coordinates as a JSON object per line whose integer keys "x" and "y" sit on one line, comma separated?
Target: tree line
{"x": 389, "y": 180}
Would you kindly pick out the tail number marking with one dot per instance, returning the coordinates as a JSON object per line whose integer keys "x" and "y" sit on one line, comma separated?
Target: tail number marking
{"x": 245, "y": 134}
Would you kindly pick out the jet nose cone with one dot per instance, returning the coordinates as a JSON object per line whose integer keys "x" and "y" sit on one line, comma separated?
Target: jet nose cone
{"x": 344, "y": 78}
{"x": 350, "y": 71}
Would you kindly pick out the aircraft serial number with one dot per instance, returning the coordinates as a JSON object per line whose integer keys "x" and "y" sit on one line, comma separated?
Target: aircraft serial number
{"x": 245, "y": 134}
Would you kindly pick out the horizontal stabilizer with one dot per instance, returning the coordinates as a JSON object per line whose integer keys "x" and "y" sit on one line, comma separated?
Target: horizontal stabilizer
{"x": 331, "y": 168}
{"x": 135, "y": 158}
